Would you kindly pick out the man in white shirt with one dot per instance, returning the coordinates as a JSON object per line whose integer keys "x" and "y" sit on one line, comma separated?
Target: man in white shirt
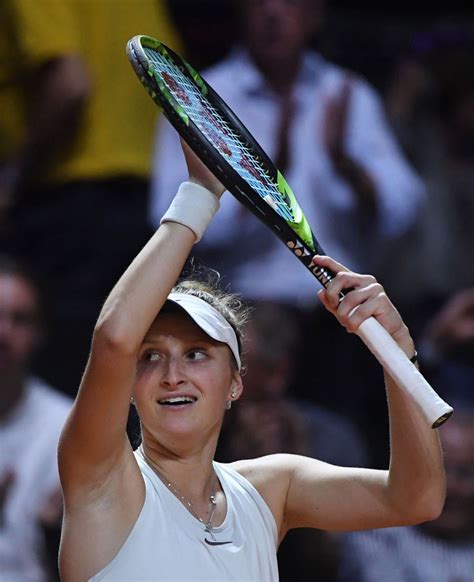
{"x": 31, "y": 418}
{"x": 439, "y": 551}
{"x": 325, "y": 128}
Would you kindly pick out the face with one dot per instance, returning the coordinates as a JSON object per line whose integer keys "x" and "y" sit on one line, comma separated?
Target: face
{"x": 276, "y": 30}
{"x": 19, "y": 323}
{"x": 184, "y": 379}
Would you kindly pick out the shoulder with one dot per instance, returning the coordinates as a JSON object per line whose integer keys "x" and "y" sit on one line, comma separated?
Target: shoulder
{"x": 237, "y": 64}
{"x": 333, "y": 77}
{"x": 264, "y": 468}
{"x": 35, "y": 34}
{"x": 270, "y": 476}
{"x": 236, "y": 57}
{"x": 44, "y": 408}
{"x": 276, "y": 472}
{"x": 276, "y": 476}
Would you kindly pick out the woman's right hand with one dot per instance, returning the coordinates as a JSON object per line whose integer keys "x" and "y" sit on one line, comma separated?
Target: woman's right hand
{"x": 199, "y": 173}
{"x": 367, "y": 298}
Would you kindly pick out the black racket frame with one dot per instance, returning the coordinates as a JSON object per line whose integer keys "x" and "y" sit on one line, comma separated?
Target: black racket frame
{"x": 208, "y": 154}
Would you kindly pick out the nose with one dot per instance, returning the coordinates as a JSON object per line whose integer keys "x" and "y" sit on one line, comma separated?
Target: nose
{"x": 173, "y": 374}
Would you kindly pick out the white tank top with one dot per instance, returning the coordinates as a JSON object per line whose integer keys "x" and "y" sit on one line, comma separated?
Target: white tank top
{"x": 168, "y": 543}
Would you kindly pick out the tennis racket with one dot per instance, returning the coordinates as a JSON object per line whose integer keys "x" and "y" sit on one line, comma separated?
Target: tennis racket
{"x": 228, "y": 149}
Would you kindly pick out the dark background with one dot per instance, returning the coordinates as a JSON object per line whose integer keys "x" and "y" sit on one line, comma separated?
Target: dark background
{"x": 366, "y": 37}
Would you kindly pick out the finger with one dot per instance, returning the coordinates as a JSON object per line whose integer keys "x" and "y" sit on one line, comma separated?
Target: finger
{"x": 356, "y": 298}
{"x": 189, "y": 155}
{"x": 326, "y": 302}
{"x": 345, "y": 282}
{"x": 199, "y": 172}
{"x": 381, "y": 308}
{"x": 328, "y": 263}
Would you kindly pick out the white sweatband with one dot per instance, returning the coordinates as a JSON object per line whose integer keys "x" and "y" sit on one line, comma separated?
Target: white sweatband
{"x": 209, "y": 320}
{"x": 193, "y": 206}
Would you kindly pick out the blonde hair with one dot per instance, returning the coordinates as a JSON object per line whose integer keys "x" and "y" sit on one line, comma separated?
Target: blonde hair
{"x": 207, "y": 286}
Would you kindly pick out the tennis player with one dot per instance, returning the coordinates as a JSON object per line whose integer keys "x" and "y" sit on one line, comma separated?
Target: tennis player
{"x": 168, "y": 511}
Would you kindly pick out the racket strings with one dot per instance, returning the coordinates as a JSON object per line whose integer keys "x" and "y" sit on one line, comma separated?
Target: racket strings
{"x": 219, "y": 132}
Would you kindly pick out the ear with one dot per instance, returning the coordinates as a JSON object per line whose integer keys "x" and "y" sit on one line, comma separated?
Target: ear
{"x": 236, "y": 387}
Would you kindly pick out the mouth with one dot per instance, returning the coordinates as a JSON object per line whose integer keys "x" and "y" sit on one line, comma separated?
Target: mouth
{"x": 174, "y": 401}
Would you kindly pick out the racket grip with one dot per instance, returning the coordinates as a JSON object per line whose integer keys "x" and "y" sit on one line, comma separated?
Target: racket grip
{"x": 406, "y": 375}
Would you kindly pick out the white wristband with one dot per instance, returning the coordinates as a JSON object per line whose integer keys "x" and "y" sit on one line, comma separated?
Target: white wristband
{"x": 193, "y": 206}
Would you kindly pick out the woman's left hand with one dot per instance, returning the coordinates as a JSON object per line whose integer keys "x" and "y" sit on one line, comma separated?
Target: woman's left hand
{"x": 366, "y": 298}
{"x": 200, "y": 173}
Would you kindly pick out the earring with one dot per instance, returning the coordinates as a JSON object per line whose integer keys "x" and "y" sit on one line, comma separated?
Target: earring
{"x": 228, "y": 404}
{"x": 132, "y": 400}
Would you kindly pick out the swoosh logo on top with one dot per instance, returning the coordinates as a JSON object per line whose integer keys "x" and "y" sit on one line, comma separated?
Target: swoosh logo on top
{"x": 211, "y": 543}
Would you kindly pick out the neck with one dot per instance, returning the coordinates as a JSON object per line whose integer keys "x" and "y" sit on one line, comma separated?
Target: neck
{"x": 12, "y": 386}
{"x": 192, "y": 473}
{"x": 193, "y": 481}
{"x": 281, "y": 76}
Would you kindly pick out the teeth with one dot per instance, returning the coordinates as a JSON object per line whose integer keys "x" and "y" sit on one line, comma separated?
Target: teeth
{"x": 177, "y": 400}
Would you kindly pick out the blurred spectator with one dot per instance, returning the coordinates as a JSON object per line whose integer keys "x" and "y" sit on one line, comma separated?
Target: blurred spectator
{"x": 441, "y": 550}
{"x": 31, "y": 418}
{"x": 268, "y": 419}
{"x": 325, "y": 127}
{"x": 437, "y": 551}
{"x": 75, "y": 146}
{"x": 430, "y": 102}
{"x": 448, "y": 337}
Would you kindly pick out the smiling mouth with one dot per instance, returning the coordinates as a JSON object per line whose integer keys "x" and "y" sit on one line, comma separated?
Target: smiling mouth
{"x": 177, "y": 401}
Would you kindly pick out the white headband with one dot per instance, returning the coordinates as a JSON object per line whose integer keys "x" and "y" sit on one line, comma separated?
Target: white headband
{"x": 209, "y": 320}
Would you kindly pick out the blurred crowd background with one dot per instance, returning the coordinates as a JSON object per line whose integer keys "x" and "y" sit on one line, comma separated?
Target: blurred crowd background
{"x": 369, "y": 112}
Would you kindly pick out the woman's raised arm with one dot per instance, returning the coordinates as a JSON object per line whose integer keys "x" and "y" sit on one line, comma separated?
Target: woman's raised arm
{"x": 94, "y": 438}
{"x": 306, "y": 492}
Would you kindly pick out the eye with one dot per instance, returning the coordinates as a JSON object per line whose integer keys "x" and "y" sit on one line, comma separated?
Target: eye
{"x": 151, "y": 357}
{"x": 196, "y": 355}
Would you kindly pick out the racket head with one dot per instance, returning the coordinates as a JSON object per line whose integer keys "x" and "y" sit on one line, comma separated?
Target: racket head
{"x": 222, "y": 142}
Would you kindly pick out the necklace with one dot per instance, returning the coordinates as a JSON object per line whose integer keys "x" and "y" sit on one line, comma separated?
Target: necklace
{"x": 208, "y": 527}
